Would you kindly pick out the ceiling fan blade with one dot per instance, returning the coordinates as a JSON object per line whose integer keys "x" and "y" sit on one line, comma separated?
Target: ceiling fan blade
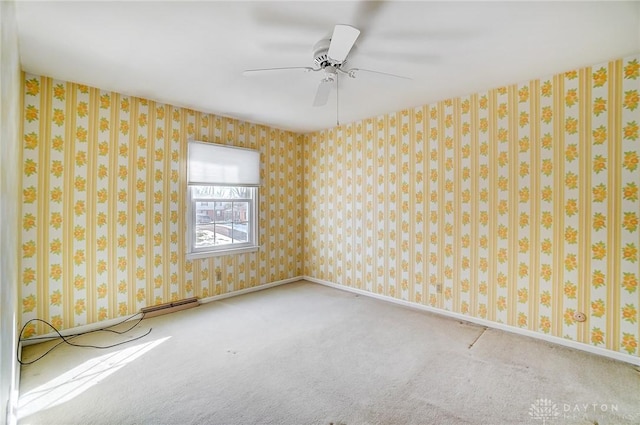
{"x": 353, "y": 72}
{"x": 391, "y": 56}
{"x": 420, "y": 36}
{"x": 287, "y": 46}
{"x": 248, "y": 72}
{"x": 322, "y": 94}
{"x": 282, "y": 16}
{"x": 342, "y": 40}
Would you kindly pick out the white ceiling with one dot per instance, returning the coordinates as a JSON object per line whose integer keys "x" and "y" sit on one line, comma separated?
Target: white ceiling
{"x": 192, "y": 54}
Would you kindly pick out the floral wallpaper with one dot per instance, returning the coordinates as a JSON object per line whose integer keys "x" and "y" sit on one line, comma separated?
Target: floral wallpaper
{"x": 518, "y": 205}
{"x": 104, "y": 205}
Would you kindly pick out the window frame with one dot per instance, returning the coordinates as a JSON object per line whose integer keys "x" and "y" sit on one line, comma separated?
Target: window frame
{"x": 231, "y": 168}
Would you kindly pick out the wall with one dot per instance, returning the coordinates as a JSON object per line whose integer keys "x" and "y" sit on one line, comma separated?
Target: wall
{"x": 521, "y": 202}
{"x": 104, "y": 203}
{"x": 9, "y": 206}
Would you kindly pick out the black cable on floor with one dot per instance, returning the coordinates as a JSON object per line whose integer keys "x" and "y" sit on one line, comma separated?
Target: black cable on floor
{"x": 68, "y": 338}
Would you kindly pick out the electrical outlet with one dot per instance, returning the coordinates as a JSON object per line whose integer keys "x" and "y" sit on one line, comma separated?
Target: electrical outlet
{"x": 579, "y": 316}
{"x": 218, "y": 275}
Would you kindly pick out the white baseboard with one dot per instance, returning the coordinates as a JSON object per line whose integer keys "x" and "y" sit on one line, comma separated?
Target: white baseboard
{"x": 526, "y": 332}
{"x": 12, "y": 404}
{"x": 111, "y": 322}
{"x": 249, "y": 290}
{"x": 14, "y": 394}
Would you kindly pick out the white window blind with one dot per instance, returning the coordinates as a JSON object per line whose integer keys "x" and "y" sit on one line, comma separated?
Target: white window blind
{"x": 222, "y": 165}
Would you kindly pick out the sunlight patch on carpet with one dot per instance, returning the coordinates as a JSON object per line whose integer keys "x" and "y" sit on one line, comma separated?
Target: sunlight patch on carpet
{"x": 79, "y": 379}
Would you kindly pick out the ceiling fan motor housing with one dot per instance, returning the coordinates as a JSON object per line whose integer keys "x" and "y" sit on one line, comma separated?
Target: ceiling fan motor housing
{"x": 320, "y": 56}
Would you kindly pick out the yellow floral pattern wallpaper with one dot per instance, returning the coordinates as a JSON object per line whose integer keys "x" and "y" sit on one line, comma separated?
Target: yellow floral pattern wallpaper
{"x": 104, "y": 205}
{"x": 517, "y": 205}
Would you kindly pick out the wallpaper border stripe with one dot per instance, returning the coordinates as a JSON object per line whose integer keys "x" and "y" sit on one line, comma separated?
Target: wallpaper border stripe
{"x": 92, "y": 178}
{"x": 474, "y": 166}
{"x": 584, "y": 201}
{"x": 489, "y": 324}
{"x": 534, "y": 164}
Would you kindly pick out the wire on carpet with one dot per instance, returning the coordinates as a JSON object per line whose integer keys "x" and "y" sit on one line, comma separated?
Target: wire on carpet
{"x": 67, "y": 339}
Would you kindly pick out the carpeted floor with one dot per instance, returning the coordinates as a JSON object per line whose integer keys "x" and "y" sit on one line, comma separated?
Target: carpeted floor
{"x": 307, "y": 354}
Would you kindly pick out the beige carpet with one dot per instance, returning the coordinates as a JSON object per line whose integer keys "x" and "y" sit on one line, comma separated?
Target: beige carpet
{"x": 307, "y": 354}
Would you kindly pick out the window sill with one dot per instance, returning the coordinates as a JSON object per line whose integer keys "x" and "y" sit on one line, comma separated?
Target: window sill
{"x": 208, "y": 254}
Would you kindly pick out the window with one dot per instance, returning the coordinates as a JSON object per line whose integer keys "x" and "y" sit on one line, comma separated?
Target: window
{"x": 222, "y": 199}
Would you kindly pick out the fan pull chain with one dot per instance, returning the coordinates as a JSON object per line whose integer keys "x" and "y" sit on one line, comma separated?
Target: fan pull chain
{"x": 337, "y": 100}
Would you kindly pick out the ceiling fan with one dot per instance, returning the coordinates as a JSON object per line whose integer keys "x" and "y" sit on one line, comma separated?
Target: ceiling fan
{"x": 330, "y": 56}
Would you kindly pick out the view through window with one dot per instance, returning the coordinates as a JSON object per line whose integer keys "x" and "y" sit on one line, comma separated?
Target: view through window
{"x": 223, "y": 217}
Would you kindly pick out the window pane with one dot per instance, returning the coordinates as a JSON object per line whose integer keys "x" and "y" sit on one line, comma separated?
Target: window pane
{"x": 222, "y": 216}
